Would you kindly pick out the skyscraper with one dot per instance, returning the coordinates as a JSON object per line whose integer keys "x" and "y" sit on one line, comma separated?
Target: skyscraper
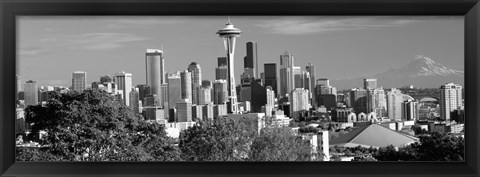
{"x": 450, "y": 99}
{"x": 124, "y": 83}
{"x": 287, "y": 78}
{"x": 155, "y": 71}
{"x": 310, "y": 68}
{"x": 229, "y": 34}
{"x": 298, "y": 75}
{"x": 220, "y": 92}
{"x": 270, "y": 101}
{"x": 376, "y": 101}
{"x": 270, "y": 70}
{"x": 134, "y": 98}
{"x": 298, "y": 102}
{"x": 195, "y": 69}
{"x": 31, "y": 93}
{"x": 369, "y": 83}
{"x": 251, "y": 61}
{"x": 186, "y": 78}
{"x": 79, "y": 80}
{"x": 222, "y": 61}
{"x": 106, "y": 78}
{"x": 184, "y": 111}
{"x": 410, "y": 110}
{"x": 358, "y": 99}
{"x": 394, "y": 104}
{"x": 174, "y": 89}
{"x": 221, "y": 73}
{"x": 205, "y": 95}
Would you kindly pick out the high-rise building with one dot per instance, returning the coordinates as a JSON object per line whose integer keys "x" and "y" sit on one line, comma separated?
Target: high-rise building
{"x": 205, "y": 95}
{"x": 369, "y": 83}
{"x": 307, "y": 81}
{"x": 270, "y": 70}
{"x": 195, "y": 69}
{"x": 106, "y": 78}
{"x": 358, "y": 100}
{"x": 174, "y": 89}
{"x": 298, "y": 76}
{"x": 79, "y": 80}
{"x": 134, "y": 98}
{"x": 220, "y": 92}
{"x": 298, "y": 102}
{"x": 155, "y": 71}
{"x": 219, "y": 110}
{"x": 143, "y": 90}
{"x": 207, "y": 112}
{"x": 394, "y": 104}
{"x": 259, "y": 95}
{"x": 229, "y": 34}
{"x": 450, "y": 99}
{"x": 287, "y": 78}
{"x": 221, "y": 73}
{"x": 31, "y": 93}
{"x": 310, "y": 68}
{"x": 251, "y": 60}
{"x": 410, "y": 110}
{"x": 124, "y": 83}
{"x": 222, "y": 61}
{"x": 207, "y": 83}
{"x": 186, "y": 78}
{"x": 270, "y": 101}
{"x": 376, "y": 101}
{"x": 184, "y": 111}
{"x": 197, "y": 112}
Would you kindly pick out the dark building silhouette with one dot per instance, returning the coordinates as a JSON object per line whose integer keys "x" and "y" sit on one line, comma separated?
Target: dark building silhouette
{"x": 327, "y": 100}
{"x": 259, "y": 95}
{"x": 271, "y": 76}
{"x": 251, "y": 61}
{"x": 358, "y": 100}
{"x": 222, "y": 61}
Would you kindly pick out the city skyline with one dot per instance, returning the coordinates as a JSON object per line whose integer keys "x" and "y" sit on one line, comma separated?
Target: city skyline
{"x": 264, "y": 30}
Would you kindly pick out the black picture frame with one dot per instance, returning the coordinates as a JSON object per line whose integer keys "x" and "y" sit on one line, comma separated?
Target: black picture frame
{"x": 9, "y": 9}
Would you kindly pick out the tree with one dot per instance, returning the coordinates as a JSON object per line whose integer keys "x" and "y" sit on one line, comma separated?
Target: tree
{"x": 93, "y": 126}
{"x": 440, "y": 147}
{"x": 280, "y": 144}
{"x": 223, "y": 139}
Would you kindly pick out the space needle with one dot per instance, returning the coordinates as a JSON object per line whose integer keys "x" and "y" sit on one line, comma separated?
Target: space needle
{"x": 229, "y": 34}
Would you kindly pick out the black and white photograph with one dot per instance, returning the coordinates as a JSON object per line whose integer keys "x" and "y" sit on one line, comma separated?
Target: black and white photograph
{"x": 240, "y": 88}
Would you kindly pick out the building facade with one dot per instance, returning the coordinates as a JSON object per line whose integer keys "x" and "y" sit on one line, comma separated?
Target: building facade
{"x": 79, "y": 81}
{"x": 450, "y": 99}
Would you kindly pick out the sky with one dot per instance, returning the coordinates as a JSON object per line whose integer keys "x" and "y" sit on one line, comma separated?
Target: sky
{"x": 51, "y": 48}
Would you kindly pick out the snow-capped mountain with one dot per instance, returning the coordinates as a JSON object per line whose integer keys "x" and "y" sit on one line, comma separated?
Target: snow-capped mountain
{"x": 421, "y": 72}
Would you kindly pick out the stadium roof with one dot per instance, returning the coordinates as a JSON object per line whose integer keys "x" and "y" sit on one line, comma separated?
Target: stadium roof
{"x": 372, "y": 135}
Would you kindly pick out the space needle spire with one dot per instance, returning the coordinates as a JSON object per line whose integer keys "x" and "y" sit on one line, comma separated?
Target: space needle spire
{"x": 229, "y": 34}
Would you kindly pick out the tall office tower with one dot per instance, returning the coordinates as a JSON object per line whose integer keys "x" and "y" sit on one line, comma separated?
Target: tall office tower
{"x": 207, "y": 112}
{"x": 79, "y": 80}
{"x": 270, "y": 101}
{"x": 143, "y": 91}
{"x": 31, "y": 93}
{"x": 186, "y": 78}
{"x": 196, "y": 71}
{"x": 251, "y": 61}
{"x": 220, "y": 92}
{"x": 287, "y": 78}
{"x": 222, "y": 61}
{"x": 229, "y": 34}
{"x": 205, "y": 95}
{"x": 310, "y": 68}
{"x": 298, "y": 102}
{"x": 174, "y": 89}
{"x": 106, "y": 78}
{"x": 358, "y": 100}
{"x": 245, "y": 90}
{"x": 124, "y": 83}
{"x": 165, "y": 95}
{"x": 221, "y": 73}
{"x": 298, "y": 76}
{"x": 410, "y": 110}
{"x": 376, "y": 101}
{"x": 323, "y": 87}
{"x": 259, "y": 95}
{"x": 207, "y": 83}
{"x": 394, "y": 104}
{"x": 155, "y": 71}
{"x": 323, "y": 82}
{"x": 184, "y": 111}
{"x": 18, "y": 86}
{"x": 262, "y": 77}
{"x": 134, "y": 98}
{"x": 270, "y": 70}
{"x": 151, "y": 100}
{"x": 450, "y": 99}
{"x": 197, "y": 112}
{"x": 369, "y": 83}
{"x": 307, "y": 81}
